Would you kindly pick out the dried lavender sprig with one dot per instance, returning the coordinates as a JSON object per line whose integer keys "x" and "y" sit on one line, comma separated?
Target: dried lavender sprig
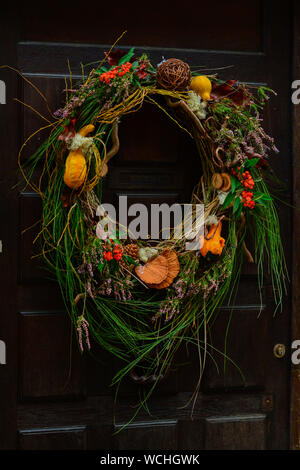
{"x": 82, "y": 323}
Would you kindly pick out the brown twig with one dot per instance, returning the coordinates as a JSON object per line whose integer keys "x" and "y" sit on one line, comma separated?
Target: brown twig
{"x": 248, "y": 254}
{"x": 246, "y": 251}
{"x": 232, "y": 163}
{"x": 116, "y": 144}
{"x": 220, "y": 162}
{"x": 78, "y": 297}
{"x": 114, "y": 149}
{"x": 188, "y": 112}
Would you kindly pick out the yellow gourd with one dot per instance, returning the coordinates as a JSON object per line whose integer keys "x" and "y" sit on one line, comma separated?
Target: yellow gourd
{"x": 213, "y": 243}
{"x": 75, "y": 168}
{"x": 202, "y": 86}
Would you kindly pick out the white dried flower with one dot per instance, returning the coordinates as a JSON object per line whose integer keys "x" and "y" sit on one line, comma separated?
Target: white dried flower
{"x": 162, "y": 61}
{"x": 78, "y": 141}
{"x": 211, "y": 220}
{"x": 147, "y": 253}
{"x": 222, "y": 196}
{"x": 197, "y": 105}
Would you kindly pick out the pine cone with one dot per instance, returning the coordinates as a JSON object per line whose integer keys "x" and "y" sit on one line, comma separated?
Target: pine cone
{"x": 132, "y": 250}
{"x": 126, "y": 265}
{"x": 123, "y": 263}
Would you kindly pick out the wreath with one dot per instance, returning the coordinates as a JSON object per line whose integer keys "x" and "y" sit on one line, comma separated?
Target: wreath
{"x": 142, "y": 299}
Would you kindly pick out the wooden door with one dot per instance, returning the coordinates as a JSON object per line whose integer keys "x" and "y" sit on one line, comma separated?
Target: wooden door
{"x": 54, "y": 398}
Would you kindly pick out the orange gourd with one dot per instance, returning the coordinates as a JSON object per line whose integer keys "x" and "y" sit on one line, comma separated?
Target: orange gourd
{"x": 75, "y": 167}
{"x": 213, "y": 243}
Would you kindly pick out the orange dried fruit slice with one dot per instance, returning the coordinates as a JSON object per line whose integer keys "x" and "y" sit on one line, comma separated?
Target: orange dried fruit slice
{"x": 173, "y": 269}
{"x": 153, "y": 272}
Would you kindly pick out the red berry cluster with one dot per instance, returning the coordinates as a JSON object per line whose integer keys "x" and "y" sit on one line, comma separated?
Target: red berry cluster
{"x": 248, "y": 182}
{"x": 247, "y": 199}
{"x": 246, "y": 178}
{"x": 113, "y": 251}
{"x": 120, "y": 70}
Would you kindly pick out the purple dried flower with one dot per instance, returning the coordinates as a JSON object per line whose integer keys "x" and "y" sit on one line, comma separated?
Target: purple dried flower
{"x": 90, "y": 269}
{"x": 85, "y": 326}
{"x": 82, "y": 269}
{"x": 82, "y": 323}
{"x": 89, "y": 289}
{"x": 80, "y": 337}
{"x": 58, "y": 113}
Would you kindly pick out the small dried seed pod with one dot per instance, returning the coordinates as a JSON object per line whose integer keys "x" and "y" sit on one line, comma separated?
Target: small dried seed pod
{"x": 217, "y": 181}
{"x": 226, "y": 182}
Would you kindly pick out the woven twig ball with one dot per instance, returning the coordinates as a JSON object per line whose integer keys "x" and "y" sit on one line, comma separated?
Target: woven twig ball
{"x": 173, "y": 74}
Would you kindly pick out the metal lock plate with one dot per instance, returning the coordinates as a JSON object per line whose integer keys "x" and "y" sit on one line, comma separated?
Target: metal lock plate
{"x": 279, "y": 350}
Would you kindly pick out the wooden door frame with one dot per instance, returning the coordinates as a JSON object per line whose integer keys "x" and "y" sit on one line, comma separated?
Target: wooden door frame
{"x": 10, "y": 33}
{"x": 295, "y": 321}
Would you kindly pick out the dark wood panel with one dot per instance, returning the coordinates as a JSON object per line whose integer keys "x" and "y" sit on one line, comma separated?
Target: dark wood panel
{"x": 47, "y": 296}
{"x": 131, "y": 390}
{"x": 157, "y": 165}
{"x": 52, "y": 59}
{"x": 32, "y": 272}
{"x": 100, "y": 437}
{"x": 242, "y": 349}
{"x": 91, "y": 411}
{"x": 190, "y": 434}
{"x": 30, "y": 264}
{"x": 207, "y": 405}
{"x": 161, "y": 25}
{"x": 148, "y": 126}
{"x": 71, "y": 438}
{"x": 236, "y": 433}
{"x": 132, "y": 178}
{"x": 154, "y": 435}
{"x": 99, "y": 410}
{"x": 54, "y": 94}
{"x": 50, "y": 365}
{"x": 98, "y": 375}
{"x": 160, "y": 432}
